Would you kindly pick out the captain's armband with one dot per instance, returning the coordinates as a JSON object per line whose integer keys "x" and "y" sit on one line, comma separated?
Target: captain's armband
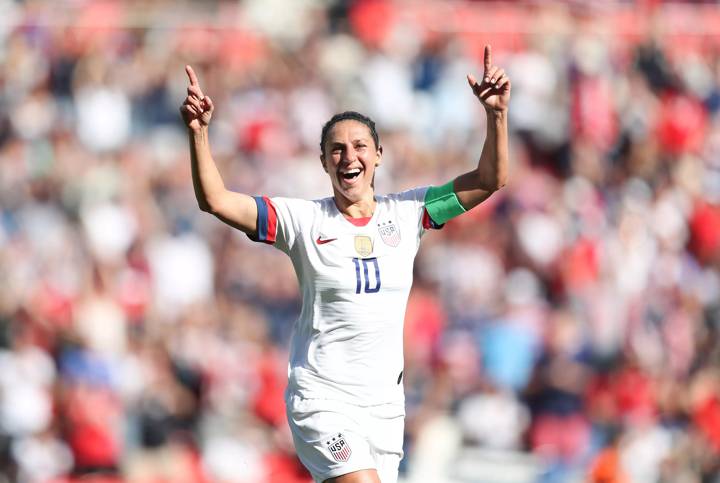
{"x": 442, "y": 203}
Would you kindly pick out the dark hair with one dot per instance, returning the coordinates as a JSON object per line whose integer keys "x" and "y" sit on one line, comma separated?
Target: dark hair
{"x": 349, "y": 116}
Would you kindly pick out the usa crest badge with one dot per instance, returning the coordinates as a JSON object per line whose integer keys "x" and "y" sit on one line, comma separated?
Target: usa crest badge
{"x": 389, "y": 233}
{"x": 339, "y": 448}
{"x": 363, "y": 245}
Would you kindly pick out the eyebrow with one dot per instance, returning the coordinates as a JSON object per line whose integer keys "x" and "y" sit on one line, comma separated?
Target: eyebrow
{"x": 354, "y": 141}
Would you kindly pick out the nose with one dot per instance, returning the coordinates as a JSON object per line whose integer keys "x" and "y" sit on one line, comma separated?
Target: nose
{"x": 351, "y": 154}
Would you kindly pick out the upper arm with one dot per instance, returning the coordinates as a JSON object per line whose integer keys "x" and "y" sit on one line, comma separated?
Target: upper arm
{"x": 279, "y": 221}
{"x": 454, "y": 198}
{"x": 467, "y": 191}
{"x": 237, "y": 210}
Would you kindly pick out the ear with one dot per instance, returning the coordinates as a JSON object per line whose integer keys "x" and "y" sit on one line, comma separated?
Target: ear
{"x": 378, "y": 161}
{"x": 322, "y": 161}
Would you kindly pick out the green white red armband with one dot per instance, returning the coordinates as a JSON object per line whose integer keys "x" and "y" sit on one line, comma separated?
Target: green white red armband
{"x": 442, "y": 203}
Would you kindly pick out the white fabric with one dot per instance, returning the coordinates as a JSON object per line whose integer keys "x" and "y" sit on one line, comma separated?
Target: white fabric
{"x": 347, "y": 342}
{"x": 372, "y": 436}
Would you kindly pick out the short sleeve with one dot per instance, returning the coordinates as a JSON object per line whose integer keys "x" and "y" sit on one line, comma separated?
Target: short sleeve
{"x": 414, "y": 199}
{"x": 278, "y": 221}
{"x": 418, "y": 196}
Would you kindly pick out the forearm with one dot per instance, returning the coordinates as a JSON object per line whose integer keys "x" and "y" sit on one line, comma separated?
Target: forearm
{"x": 492, "y": 168}
{"x": 207, "y": 182}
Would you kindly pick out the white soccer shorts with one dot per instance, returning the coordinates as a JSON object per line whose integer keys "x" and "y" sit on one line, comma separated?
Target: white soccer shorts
{"x": 333, "y": 438}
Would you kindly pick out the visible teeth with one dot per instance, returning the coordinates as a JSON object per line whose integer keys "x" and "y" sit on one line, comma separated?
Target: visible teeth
{"x": 351, "y": 171}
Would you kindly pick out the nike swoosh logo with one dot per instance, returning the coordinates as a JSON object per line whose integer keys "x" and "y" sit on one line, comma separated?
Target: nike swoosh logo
{"x": 322, "y": 242}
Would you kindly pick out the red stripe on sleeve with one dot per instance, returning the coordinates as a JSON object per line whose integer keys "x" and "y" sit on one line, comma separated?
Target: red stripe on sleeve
{"x": 426, "y": 219}
{"x": 272, "y": 221}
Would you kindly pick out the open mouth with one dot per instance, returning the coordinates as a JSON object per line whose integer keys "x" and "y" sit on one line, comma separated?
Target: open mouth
{"x": 350, "y": 174}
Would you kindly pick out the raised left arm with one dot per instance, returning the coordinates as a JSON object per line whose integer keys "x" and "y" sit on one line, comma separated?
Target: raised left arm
{"x": 474, "y": 187}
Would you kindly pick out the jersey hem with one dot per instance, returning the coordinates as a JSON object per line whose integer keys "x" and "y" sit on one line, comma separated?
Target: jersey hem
{"x": 343, "y": 401}
{"x": 341, "y": 472}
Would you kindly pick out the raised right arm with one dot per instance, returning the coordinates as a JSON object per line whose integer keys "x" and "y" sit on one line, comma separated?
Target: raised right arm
{"x": 236, "y": 209}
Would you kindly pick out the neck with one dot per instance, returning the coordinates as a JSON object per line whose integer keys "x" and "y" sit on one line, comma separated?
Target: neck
{"x": 356, "y": 209}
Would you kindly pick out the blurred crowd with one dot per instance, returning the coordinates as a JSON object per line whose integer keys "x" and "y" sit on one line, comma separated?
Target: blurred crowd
{"x": 568, "y": 329}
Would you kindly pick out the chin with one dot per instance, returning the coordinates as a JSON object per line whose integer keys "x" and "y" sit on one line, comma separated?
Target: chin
{"x": 352, "y": 193}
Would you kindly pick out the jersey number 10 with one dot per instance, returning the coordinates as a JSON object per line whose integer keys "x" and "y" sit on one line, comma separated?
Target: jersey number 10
{"x": 366, "y": 275}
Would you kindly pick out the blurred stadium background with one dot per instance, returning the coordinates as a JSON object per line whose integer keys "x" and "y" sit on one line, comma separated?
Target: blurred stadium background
{"x": 565, "y": 331}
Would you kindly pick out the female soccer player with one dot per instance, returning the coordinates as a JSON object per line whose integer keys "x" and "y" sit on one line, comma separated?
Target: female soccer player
{"x": 353, "y": 255}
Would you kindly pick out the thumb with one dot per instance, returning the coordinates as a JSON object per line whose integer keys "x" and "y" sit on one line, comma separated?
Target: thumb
{"x": 472, "y": 81}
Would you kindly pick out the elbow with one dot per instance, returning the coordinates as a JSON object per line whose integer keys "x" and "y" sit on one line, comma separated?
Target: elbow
{"x": 208, "y": 205}
{"x": 501, "y": 176}
{"x": 204, "y": 204}
{"x": 495, "y": 187}
{"x": 491, "y": 177}
{"x": 493, "y": 184}
{"x": 216, "y": 204}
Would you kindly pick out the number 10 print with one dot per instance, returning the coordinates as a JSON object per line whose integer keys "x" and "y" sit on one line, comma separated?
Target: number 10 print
{"x": 366, "y": 275}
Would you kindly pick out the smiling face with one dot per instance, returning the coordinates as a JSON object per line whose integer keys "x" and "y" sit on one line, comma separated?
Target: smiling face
{"x": 350, "y": 157}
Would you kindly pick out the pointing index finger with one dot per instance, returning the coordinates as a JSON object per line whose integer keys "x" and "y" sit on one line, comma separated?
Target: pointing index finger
{"x": 191, "y": 75}
{"x": 488, "y": 58}
{"x": 193, "y": 79}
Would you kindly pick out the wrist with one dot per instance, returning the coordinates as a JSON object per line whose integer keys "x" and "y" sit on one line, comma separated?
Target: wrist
{"x": 198, "y": 131}
{"x": 496, "y": 114}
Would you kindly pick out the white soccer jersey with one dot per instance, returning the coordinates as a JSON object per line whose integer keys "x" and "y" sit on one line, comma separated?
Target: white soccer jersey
{"x": 355, "y": 280}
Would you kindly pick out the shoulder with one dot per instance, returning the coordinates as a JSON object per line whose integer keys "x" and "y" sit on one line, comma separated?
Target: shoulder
{"x": 407, "y": 205}
{"x": 297, "y": 204}
{"x": 304, "y": 211}
{"x": 324, "y": 204}
{"x": 413, "y": 195}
